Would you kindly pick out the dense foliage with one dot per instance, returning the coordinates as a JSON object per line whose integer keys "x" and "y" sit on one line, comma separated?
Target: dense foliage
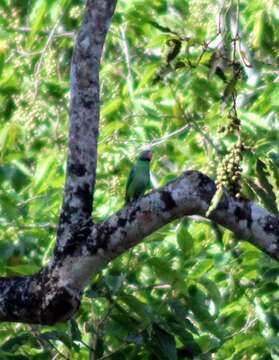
{"x": 190, "y": 290}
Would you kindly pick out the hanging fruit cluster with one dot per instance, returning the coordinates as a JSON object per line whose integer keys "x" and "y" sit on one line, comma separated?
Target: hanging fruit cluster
{"x": 229, "y": 171}
{"x": 234, "y": 123}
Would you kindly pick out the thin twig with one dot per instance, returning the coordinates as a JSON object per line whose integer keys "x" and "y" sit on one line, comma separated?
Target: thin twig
{"x": 236, "y": 38}
{"x": 29, "y": 226}
{"x": 243, "y": 56}
{"x": 149, "y": 287}
{"x": 194, "y": 126}
{"x": 128, "y": 60}
{"x": 26, "y": 30}
{"x": 170, "y": 135}
{"x": 206, "y": 47}
{"x": 41, "y": 60}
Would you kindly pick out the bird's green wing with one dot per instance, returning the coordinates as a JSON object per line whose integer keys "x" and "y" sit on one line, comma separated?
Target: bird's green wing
{"x": 129, "y": 181}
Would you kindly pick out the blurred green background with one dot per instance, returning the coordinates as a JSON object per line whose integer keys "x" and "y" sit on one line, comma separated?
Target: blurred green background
{"x": 191, "y": 290}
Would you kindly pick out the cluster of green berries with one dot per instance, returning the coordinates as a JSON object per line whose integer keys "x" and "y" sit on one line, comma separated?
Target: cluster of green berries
{"x": 229, "y": 171}
{"x": 234, "y": 123}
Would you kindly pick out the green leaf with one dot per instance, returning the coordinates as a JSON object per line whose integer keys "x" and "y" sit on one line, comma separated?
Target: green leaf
{"x": 49, "y": 249}
{"x": 240, "y": 343}
{"x": 148, "y": 75}
{"x": 37, "y": 17}
{"x": 9, "y": 206}
{"x": 45, "y": 170}
{"x": 201, "y": 268}
{"x": 13, "y": 344}
{"x": 198, "y": 303}
{"x": 8, "y": 356}
{"x": 136, "y": 305}
{"x": 9, "y": 84}
{"x": 111, "y": 107}
{"x": 124, "y": 323}
{"x": 231, "y": 308}
{"x": 185, "y": 337}
{"x": 263, "y": 176}
{"x": 212, "y": 290}
{"x": 99, "y": 348}
{"x": 2, "y": 61}
{"x": 24, "y": 269}
{"x": 274, "y": 178}
{"x": 162, "y": 344}
{"x": 215, "y": 201}
{"x": 58, "y": 336}
{"x": 266, "y": 199}
{"x": 263, "y": 32}
{"x": 74, "y": 331}
{"x": 115, "y": 282}
{"x": 19, "y": 176}
{"x": 3, "y": 138}
{"x": 9, "y": 136}
{"x": 163, "y": 270}
{"x": 184, "y": 240}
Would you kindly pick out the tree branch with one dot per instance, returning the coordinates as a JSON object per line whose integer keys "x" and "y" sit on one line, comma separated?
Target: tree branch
{"x": 85, "y": 109}
{"x": 189, "y": 194}
{"x": 83, "y": 248}
{"x": 45, "y": 297}
{"x": 54, "y": 294}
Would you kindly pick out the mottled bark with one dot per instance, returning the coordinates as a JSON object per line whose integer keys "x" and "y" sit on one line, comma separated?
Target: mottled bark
{"x": 84, "y": 125}
{"x": 84, "y": 248}
{"x": 45, "y": 297}
{"x": 55, "y": 293}
{"x": 189, "y": 194}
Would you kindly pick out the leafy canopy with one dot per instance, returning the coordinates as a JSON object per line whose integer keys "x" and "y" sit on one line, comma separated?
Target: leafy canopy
{"x": 189, "y": 290}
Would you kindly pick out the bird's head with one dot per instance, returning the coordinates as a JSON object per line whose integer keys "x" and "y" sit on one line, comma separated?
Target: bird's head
{"x": 146, "y": 155}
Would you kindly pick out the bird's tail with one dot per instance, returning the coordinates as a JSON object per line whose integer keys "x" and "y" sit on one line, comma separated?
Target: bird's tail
{"x": 127, "y": 200}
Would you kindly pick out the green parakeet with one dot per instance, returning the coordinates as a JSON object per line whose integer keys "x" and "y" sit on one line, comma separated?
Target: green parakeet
{"x": 139, "y": 177}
